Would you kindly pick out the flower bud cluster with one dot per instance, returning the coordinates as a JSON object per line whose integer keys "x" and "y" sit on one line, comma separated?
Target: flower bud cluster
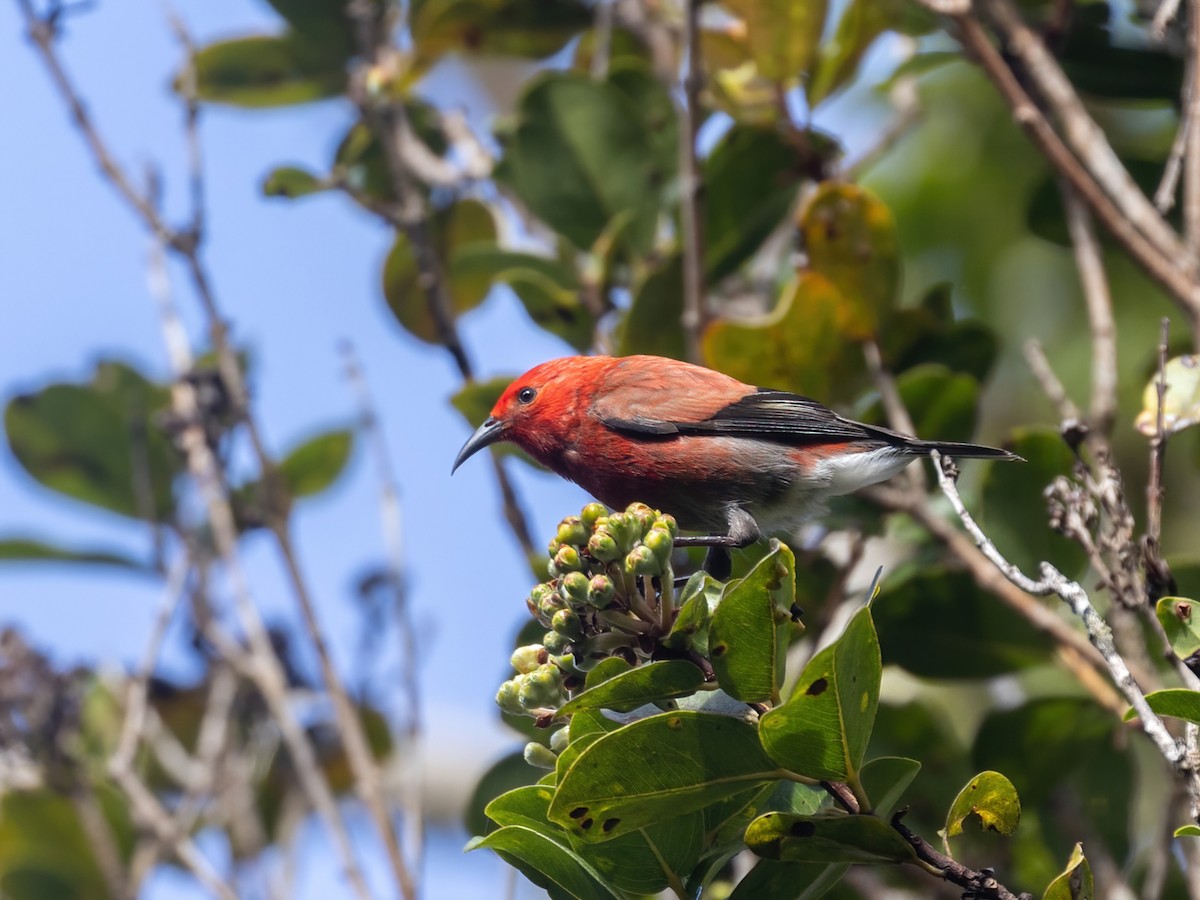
{"x": 600, "y": 601}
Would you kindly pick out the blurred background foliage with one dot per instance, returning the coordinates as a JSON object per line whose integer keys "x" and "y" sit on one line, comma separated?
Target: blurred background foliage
{"x": 858, "y": 183}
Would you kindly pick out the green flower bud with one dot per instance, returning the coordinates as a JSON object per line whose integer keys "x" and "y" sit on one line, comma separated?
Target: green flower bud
{"x": 566, "y": 622}
{"x": 567, "y": 559}
{"x": 542, "y": 687}
{"x": 540, "y": 756}
{"x": 592, "y": 513}
{"x": 669, "y": 523}
{"x": 603, "y": 547}
{"x": 642, "y": 561}
{"x": 660, "y": 543}
{"x": 508, "y": 698}
{"x": 571, "y": 531}
{"x": 625, "y": 530}
{"x": 574, "y": 588}
{"x": 555, "y": 643}
{"x": 565, "y": 663}
{"x": 560, "y": 739}
{"x": 553, "y": 547}
{"x": 642, "y": 515}
{"x": 526, "y": 659}
{"x": 600, "y": 591}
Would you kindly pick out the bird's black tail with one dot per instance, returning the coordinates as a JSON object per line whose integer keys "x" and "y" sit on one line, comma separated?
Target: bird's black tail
{"x": 965, "y": 451}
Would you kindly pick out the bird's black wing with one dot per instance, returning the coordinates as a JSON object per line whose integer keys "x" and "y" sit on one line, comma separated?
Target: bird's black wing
{"x": 768, "y": 415}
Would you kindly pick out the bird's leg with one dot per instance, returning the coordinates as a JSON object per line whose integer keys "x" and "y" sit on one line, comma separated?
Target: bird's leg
{"x": 743, "y": 531}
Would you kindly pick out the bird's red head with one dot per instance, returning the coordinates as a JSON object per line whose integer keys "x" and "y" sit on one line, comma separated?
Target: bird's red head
{"x": 541, "y": 409}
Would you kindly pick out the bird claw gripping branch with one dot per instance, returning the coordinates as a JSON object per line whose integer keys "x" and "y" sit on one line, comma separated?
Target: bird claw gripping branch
{"x": 610, "y": 594}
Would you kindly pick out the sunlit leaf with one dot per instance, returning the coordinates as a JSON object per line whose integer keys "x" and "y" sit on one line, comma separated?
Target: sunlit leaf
{"x": 1075, "y": 883}
{"x": 25, "y": 549}
{"x": 528, "y": 28}
{"x": 292, "y": 182}
{"x": 851, "y": 239}
{"x": 989, "y": 796}
{"x": 782, "y": 34}
{"x": 1177, "y": 703}
{"x": 461, "y": 224}
{"x": 751, "y": 629}
{"x": 1181, "y": 403}
{"x": 802, "y": 346}
{"x": 546, "y": 862}
{"x": 315, "y": 464}
{"x": 685, "y": 762}
{"x": 823, "y": 729}
{"x": 1180, "y": 620}
{"x": 651, "y": 683}
{"x": 829, "y": 838}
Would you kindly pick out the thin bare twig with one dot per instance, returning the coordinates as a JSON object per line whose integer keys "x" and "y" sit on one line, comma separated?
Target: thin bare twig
{"x": 1035, "y": 356}
{"x": 1054, "y": 582}
{"x": 1158, "y": 452}
{"x": 893, "y": 406}
{"x": 1162, "y": 18}
{"x": 1102, "y": 409}
{"x": 1191, "y": 155}
{"x": 393, "y": 529}
{"x": 691, "y": 185}
{"x": 1164, "y": 194}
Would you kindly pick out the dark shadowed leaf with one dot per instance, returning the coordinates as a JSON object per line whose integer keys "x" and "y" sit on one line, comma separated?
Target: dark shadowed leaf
{"x": 686, "y": 761}
{"x": 555, "y": 309}
{"x": 751, "y": 629}
{"x": 506, "y": 774}
{"x": 315, "y": 464}
{"x": 885, "y": 780}
{"x": 828, "y": 838}
{"x": 940, "y": 624}
{"x": 292, "y": 182}
{"x": 546, "y": 862}
{"x": 653, "y": 324}
{"x": 268, "y": 70}
{"x": 1014, "y": 511}
{"x": 943, "y": 404}
{"x": 771, "y": 879}
{"x": 823, "y": 729}
{"x": 99, "y": 442}
{"x": 1100, "y": 63}
{"x": 580, "y": 156}
{"x": 750, "y": 179}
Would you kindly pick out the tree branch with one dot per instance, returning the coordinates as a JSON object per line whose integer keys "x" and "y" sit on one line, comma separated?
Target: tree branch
{"x": 691, "y": 186}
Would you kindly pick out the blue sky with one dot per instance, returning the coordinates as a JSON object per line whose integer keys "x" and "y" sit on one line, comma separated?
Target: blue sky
{"x": 295, "y": 279}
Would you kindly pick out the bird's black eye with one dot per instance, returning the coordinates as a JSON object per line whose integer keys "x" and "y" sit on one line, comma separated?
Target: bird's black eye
{"x": 526, "y": 395}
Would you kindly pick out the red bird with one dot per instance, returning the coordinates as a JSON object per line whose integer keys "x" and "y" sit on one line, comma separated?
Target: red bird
{"x": 724, "y": 458}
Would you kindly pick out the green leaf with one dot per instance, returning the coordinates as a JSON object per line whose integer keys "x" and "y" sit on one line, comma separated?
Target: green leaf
{"x": 991, "y": 797}
{"x": 99, "y": 442}
{"x": 458, "y": 225}
{"x": 750, "y": 630}
{"x": 885, "y": 779}
{"x": 529, "y": 28}
{"x": 929, "y": 334}
{"x": 23, "y": 549}
{"x": 324, "y": 21}
{"x": 851, "y": 239}
{"x": 651, "y": 683}
{"x": 829, "y": 838}
{"x": 685, "y": 762}
{"x": 1014, "y": 510}
{"x": 292, "y": 182}
{"x": 802, "y": 346}
{"x": 750, "y": 180}
{"x": 553, "y": 308}
{"x": 940, "y": 624}
{"x": 605, "y": 670}
{"x": 823, "y": 729}
{"x": 580, "y": 156}
{"x": 268, "y": 70}
{"x": 312, "y": 466}
{"x": 1181, "y": 403}
{"x": 653, "y": 324}
{"x": 697, "y": 601}
{"x": 1177, "y": 703}
{"x": 782, "y": 34}
{"x": 1180, "y": 620}
{"x": 45, "y": 852}
{"x": 1187, "y": 831}
{"x": 771, "y": 879}
{"x": 505, "y": 775}
{"x": 360, "y": 160}
{"x": 1075, "y": 883}
{"x": 943, "y": 404}
{"x": 861, "y": 23}
{"x": 546, "y": 862}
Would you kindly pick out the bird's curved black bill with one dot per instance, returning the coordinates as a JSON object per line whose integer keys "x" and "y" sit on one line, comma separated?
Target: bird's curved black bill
{"x": 488, "y": 433}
